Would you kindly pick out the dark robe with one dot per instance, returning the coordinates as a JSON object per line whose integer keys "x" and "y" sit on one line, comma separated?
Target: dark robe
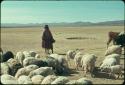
{"x": 47, "y": 40}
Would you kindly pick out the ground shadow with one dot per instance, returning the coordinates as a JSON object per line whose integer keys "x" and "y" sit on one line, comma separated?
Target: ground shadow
{"x": 70, "y": 72}
{"x": 98, "y": 74}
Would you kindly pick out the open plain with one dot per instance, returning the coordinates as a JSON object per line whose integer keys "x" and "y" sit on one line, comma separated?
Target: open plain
{"x": 88, "y": 39}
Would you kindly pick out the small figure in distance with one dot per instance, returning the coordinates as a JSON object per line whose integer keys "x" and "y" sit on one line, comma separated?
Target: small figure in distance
{"x": 47, "y": 40}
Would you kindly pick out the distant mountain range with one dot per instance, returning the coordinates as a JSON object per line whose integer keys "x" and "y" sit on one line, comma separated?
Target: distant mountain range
{"x": 65, "y": 24}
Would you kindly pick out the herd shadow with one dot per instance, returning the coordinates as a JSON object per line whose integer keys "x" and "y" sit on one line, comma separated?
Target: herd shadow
{"x": 69, "y": 72}
{"x": 97, "y": 74}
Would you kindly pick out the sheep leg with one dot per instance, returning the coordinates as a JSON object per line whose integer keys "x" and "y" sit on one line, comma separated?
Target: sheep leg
{"x": 118, "y": 76}
{"x": 83, "y": 67}
{"x": 76, "y": 64}
{"x": 86, "y": 70}
{"x": 69, "y": 62}
{"x": 110, "y": 74}
{"x": 92, "y": 69}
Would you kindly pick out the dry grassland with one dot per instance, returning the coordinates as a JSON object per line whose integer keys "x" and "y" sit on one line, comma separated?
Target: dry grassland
{"x": 93, "y": 40}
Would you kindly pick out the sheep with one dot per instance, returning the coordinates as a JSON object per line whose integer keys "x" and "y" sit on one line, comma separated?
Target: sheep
{"x": 31, "y": 60}
{"x": 32, "y": 53}
{"x": 37, "y": 79}
{"x": 49, "y": 79}
{"x": 20, "y": 57}
{"x": 114, "y": 49}
{"x": 60, "y": 80}
{"x": 6, "y": 56}
{"x": 52, "y": 62}
{"x": 31, "y": 67}
{"x": 84, "y": 81}
{"x": 27, "y": 54}
{"x": 27, "y": 60}
{"x": 44, "y": 71}
{"x": 77, "y": 60}
{"x": 8, "y": 79}
{"x": 26, "y": 70}
{"x": 5, "y": 68}
{"x": 116, "y": 56}
{"x": 88, "y": 63}
{"x": 70, "y": 55}
{"x": 72, "y": 82}
{"x": 14, "y": 65}
{"x": 107, "y": 63}
{"x": 21, "y": 71}
{"x": 116, "y": 69}
{"x": 24, "y": 80}
{"x": 62, "y": 63}
{"x": 37, "y": 56}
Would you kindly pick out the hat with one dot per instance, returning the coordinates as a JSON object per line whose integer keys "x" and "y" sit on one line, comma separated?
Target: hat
{"x": 46, "y": 26}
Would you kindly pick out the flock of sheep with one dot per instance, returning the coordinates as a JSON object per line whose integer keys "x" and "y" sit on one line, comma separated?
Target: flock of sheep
{"x": 28, "y": 68}
{"x": 111, "y": 63}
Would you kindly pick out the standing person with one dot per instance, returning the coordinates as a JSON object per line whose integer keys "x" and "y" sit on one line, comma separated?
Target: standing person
{"x": 47, "y": 40}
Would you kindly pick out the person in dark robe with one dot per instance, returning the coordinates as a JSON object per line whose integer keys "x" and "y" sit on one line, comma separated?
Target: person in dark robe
{"x": 47, "y": 40}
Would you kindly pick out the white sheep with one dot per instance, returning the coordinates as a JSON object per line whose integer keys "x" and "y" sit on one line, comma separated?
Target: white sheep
{"x": 8, "y": 79}
{"x": 116, "y": 69}
{"x": 44, "y": 71}
{"x": 60, "y": 59}
{"x": 37, "y": 56}
{"x": 70, "y": 55}
{"x": 60, "y": 80}
{"x": 84, "y": 81}
{"x": 72, "y": 82}
{"x": 26, "y": 70}
{"x": 49, "y": 79}
{"x": 62, "y": 62}
{"x": 77, "y": 60}
{"x": 114, "y": 49}
{"x": 24, "y": 80}
{"x": 26, "y": 54}
{"x": 20, "y": 57}
{"x": 4, "y": 68}
{"x": 107, "y": 63}
{"x": 21, "y": 71}
{"x": 88, "y": 63}
{"x": 31, "y": 67}
{"x": 14, "y": 65}
{"x": 37, "y": 79}
{"x": 27, "y": 60}
{"x": 116, "y": 56}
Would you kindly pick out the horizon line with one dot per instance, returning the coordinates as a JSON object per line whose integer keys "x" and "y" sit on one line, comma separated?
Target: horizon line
{"x": 64, "y": 22}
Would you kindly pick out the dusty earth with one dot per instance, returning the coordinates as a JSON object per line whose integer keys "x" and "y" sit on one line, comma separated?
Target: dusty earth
{"x": 88, "y": 39}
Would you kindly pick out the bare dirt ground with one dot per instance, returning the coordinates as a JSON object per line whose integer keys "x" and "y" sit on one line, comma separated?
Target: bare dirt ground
{"x": 89, "y": 39}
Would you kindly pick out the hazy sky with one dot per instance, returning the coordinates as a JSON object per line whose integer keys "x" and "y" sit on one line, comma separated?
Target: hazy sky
{"x": 61, "y": 11}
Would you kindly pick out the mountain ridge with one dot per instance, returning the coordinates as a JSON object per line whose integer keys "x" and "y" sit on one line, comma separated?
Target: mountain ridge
{"x": 66, "y": 24}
